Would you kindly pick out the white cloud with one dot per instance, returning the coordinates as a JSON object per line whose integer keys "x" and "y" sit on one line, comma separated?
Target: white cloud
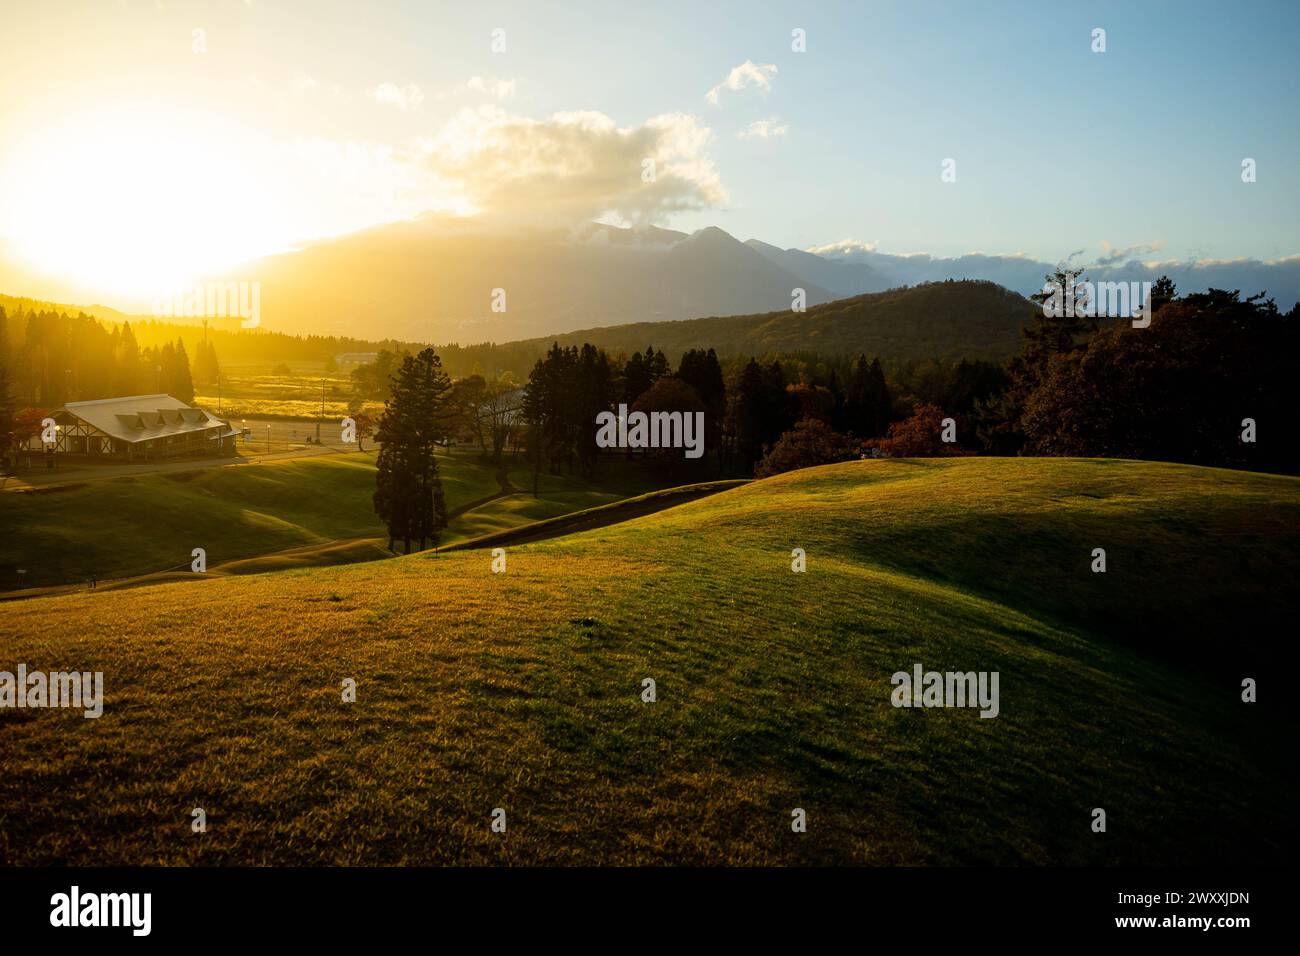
{"x": 1110, "y": 255}
{"x": 408, "y": 97}
{"x": 843, "y": 247}
{"x": 575, "y": 167}
{"x": 494, "y": 86}
{"x": 748, "y": 73}
{"x": 764, "y": 129}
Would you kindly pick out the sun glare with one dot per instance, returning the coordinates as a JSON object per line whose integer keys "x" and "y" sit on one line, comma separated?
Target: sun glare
{"x": 135, "y": 205}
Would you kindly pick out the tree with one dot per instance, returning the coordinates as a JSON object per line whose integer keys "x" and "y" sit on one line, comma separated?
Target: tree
{"x": 176, "y": 373}
{"x": 811, "y": 442}
{"x": 533, "y": 412}
{"x": 1177, "y": 390}
{"x": 636, "y": 378}
{"x": 671, "y": 395}
{"x": 919, "y": 436}
{"x": 868, "y": 406}
{"x": 761, "y": 412}
{"x": 7, "y": 409}
{"x": 485, "y": 412}
{"x": 27, "y": 425}
{"x": 593, "y": 388}
{"x": 815, "y": 401}
{"x": 408, "y": 493}
{"x": 467, "y": 394}
{"x": 656, "y": 363}
{"x": 206, "y": 369}
{"x": 128, "y": 372}
{"x": 1059, "y": 325}
{"x": 365, "y": 422}
{"x": 703, "y": 372}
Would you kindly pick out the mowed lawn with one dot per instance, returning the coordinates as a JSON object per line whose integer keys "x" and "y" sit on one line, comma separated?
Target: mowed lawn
{"x": 523, "y": 690}
{"x": 616, "y": 479}
{"x": 140, "y": 524}
{"x": 136, "y": 525}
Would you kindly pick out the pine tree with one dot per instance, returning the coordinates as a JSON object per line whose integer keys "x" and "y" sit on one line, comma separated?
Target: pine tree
{"x": 181, "y": 382}
{"x": 128, "y": 372}
{"x": 408, "y": 493}
{"x": 4, "y": 338}
{"x": 7, "y": 409}
{"x": 533, "y": 412}
{"x": 879, "y": 403}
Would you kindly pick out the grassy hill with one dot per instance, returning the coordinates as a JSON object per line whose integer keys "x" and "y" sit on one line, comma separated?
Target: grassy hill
{"x": 138, "y": 524}
{"x": 245, "y": 515}
{"x": 522, "y": 690}
{"x": 963, "y": 319}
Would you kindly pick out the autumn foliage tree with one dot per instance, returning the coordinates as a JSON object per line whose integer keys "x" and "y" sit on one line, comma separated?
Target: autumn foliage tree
{"x": 811, "y": 442}
{"x": 920, "y": 436}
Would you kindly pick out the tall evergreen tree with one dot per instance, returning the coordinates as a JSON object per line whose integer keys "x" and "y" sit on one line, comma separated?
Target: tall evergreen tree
{"x": 592, "y": 392}
{"x": 181, "y": 383}
{"x": 657, "y": 364}
{"x": 129, "y": 372}
{"x": 533, "y": 412}
{"x": 879, "y": 408}
{"x": 4, "y": 338}
{"x": 636, "y": 379}
{"x": 7, "y": 409}
{"x": 702, "y": 371}
{"x": 408, "y": 493}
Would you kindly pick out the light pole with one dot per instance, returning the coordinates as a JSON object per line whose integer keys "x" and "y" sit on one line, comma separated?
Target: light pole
{"x": 268, "y": 439}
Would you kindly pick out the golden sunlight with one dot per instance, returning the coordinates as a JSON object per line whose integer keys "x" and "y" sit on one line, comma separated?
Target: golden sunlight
{"x": 139, "y": 200}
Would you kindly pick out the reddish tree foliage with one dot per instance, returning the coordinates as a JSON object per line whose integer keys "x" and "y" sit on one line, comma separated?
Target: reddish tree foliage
{"x": 920, "y": 436}
{"x": 811, "y": 442}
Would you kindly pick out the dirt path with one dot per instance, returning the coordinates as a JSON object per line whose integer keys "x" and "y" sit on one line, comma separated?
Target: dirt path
{"x": 601, "y": 517}
{"x": 503, "y": 479}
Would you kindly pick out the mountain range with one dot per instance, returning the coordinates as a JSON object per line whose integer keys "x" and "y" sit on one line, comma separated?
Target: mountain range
{"x": 435, "y": 280}
{"x": 966, "y": 318}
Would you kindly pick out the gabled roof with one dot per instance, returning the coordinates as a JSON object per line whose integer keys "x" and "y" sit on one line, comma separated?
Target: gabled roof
{"x": 140, "y": 417}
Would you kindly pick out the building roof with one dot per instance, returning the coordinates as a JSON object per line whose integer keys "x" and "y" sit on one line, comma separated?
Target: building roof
{"x": 141, "y": 417}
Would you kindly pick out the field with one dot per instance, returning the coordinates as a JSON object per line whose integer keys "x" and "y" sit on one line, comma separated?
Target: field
{"x": 141, "y": 524}
{"x": 258, "y": 391}
{"x": 522, "y": 690}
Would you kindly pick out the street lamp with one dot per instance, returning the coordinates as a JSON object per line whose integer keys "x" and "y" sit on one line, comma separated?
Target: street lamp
{"x": 268, "y": 439}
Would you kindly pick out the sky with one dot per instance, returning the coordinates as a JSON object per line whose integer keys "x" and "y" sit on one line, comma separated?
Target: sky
{"x": 142, "y": 143}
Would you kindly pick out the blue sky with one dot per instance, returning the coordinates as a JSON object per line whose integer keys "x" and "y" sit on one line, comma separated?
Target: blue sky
{"x": 1057, "y": 148}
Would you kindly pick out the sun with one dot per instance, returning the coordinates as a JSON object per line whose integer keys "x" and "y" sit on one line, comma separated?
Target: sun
{"x": 136, "y": 201}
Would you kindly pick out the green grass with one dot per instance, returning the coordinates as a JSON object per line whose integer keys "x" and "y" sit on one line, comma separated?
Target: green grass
{"x": 139, "y": 524}
{"x": 616, "y": 479}
{"x": 521, "y": 690}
